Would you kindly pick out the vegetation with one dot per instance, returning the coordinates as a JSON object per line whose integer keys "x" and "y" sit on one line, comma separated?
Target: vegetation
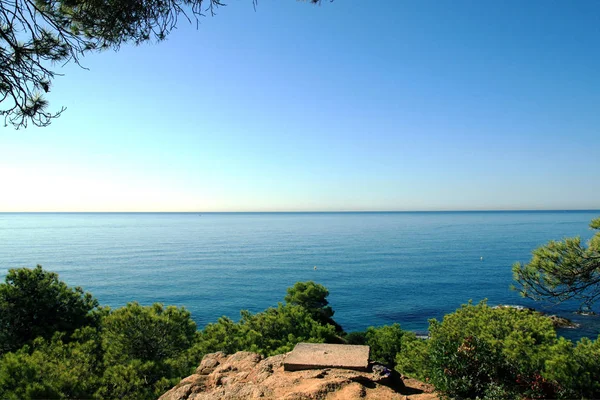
{"x": 501, "y": 353}
{"x": 37, "y": 34}
{"x": 312, "y": 297}
{"x": 273, "y": 331}
{"x": 139, "y": 352}
{"x": 58, "y": 343}
{"x": 563, "y": 270}
{"x": 34, "y": 303}
{"x": 385, "y": 342}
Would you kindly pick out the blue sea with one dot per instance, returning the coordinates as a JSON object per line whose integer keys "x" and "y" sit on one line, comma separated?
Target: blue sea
{"x": 379, "y": 267}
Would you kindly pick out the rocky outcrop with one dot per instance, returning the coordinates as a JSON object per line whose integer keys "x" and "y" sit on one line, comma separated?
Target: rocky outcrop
{"x": 560, "y": 322}
{"x": 557, "y": 322}
{"x": 245, "y": 375}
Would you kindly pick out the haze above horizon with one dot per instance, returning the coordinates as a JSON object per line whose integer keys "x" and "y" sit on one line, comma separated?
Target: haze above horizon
{"x": 409, "y": 106}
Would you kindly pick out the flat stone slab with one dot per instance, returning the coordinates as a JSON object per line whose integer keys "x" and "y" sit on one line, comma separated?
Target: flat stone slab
{"x": 319, "y": 355}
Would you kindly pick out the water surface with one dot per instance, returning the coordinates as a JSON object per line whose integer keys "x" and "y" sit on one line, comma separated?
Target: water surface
{"x": 380, "y": 268}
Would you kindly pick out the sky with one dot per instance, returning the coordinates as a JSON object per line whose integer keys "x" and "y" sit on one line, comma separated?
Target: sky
{"x": 347, "y": 106}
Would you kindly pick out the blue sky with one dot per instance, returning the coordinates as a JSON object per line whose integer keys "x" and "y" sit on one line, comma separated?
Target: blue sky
{"x": 420, "y": 105}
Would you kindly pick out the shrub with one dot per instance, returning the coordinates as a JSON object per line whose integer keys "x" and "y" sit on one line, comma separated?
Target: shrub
{"x": 385, "y": 342}
{"x": 355, "y": 338}
{"x": 152, "y": 333}
{"x": 273, "y": 331}
{"x": 413, "y": 357}
{"x": 576, "y": 367}
{"x": 53, "y": 368}
{"x": 34, "y": 303}
{"x": 479, "y": 351}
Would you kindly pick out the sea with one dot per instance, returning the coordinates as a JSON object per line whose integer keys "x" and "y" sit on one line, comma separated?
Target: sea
{"x": 379, "y": 267}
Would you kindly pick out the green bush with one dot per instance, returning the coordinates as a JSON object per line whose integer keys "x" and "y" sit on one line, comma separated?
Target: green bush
{"x": 355, "y": 338}
{"x": 80, "y": 350}
{"x": 479, "y": 351}
{"x": 145, "y": 350}
{"x": 576, "y": 367}
{"x": 34, "y": 303}
{"x": 467, "y": 369}
{"x": 153, "y": 333}
{"x": 413, "y": 357}
{"x": 53, "y": 369}
{"x": 134, "y": 380}
{"x": 273, "y": 331}
{"x": 385, "y": 342}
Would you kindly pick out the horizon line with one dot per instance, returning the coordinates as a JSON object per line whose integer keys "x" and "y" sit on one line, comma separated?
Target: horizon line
{"x": 302, "y": 211}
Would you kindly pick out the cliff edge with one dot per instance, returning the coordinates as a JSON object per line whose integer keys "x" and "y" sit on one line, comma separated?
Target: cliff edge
{"x": 245, "y": 375}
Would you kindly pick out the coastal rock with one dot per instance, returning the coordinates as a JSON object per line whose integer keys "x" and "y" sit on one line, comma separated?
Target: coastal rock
{"x": 246, "y": 375}
{"x": 560, "y": 322}
{"x": 557, "y": 322}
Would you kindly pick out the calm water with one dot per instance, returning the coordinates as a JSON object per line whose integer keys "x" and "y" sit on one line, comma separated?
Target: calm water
{"x": 380, "y": 268}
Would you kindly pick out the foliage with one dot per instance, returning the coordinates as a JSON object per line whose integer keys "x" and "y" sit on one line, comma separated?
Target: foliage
{"x": 413, "y": 357}
{"x": 36, "y": 34}
{"x": 563, "y": 270}
{"x": 83, "y": 351}
{"x": 53, "y": 368}
{"x": 35, "y": 303}
{"x": 355, "y": 338}
{"x": 305, "y": 318}
{"x": 137, "y": 351}
{"x": 479, "y": 351}
{"x": 385, "y": 342}
{"x": 465, "y": 369}
{"x": 134, "y": 380}
{"x": 145, "y": 350}
{"x": 140, "y": 352}
{"x": 153, "y": 333}
{"x": 576, "y": 367}
{"x": 313, "y": 297}
{"x": 273, "y": 331}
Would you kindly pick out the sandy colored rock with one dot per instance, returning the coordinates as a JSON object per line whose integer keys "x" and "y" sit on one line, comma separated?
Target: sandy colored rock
{"x": 245, "y": 375}
{"x": 321, "y": 355}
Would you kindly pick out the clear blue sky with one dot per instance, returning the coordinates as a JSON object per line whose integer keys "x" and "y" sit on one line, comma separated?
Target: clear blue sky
{"x": 388, "y": 105}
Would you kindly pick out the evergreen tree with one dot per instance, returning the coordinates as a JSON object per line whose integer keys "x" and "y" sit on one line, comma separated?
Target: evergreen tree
{"x": 34, "y": 303}
{"x": 563, "y": 270}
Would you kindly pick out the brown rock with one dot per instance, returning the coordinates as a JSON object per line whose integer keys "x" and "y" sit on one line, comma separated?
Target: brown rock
{"x": 560, "y": 322}
{"x": 245, "y": 375}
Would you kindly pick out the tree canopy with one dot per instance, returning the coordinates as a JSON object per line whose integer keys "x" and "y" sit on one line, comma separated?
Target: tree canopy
{"x": 313, "y": 297}
{"x": 35, "y": 35}
{"x": 563, "y": 270}
{"x": 35, "y": 303}
{"x": 139, "y": 352}
{"x": 56, "y": 342}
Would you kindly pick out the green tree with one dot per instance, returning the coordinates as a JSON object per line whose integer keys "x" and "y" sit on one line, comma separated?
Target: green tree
{"x": 563, "y": 270}
{"x": 273, "y": 331}
{"x": 133, "y": 381}
{"x": 53, "y": 368}
{"x": 36, "y": 34}
{"x": 385, "y": 342}
{"x": 146, "y": 350}
{"x": 313, "y": 297}
{"x": 152, "y": 333}
{"x": 34, "y": 302}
